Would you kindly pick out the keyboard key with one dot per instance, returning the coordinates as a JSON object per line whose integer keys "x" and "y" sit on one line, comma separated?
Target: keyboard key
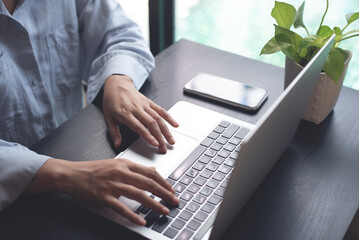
{"x": 194, "y": 225}
{"x": 214, "y": 199}
{"x": 206, "y": 191}
{"x": 173, "y": 212}
{"x": 193, "y": 188}
{"x": 161, "y": 224}
{"x": 170, "y": 181}
{"x": 143, "y": 209}
{"x": 229, "y": 176}
{"x": 224, "y": 169}
{"x": 212, "y": 183}
{"x": 151, "y": 218}
{"x": 213, "y": 135}
{"x": 238, "y": 148}
{"x": 207, "y": 142}
{"x": 185, "y": 234}
{"x": 204, "y": 159}
{"x": 181, "y": 204}
{"x": 198, "y": 166}
{"x": 219, "y": 129}
{"x": 192, "y": 173}
{"x": 199, "y": 199}
{"x": 230, "y": 131}
{"x": 179, "y": 187}
{"x": 218, "y": 176}
{"x": 200, "y": 181}
{"x": 229, "y": 147}
{"x": 212, "y": 167}
{"x": 230, "y": 162}
{"x": 222, "y": 140}
{"x": 186, "y": 196}
{"x": 242, "y": 133}
{"x": 210, "y": 153}
{"x": 186, "y": 180}
{"x": 193, "y": 207}
{"x": 218, "y": 160}
{"x": 220, "y": 191}
{"x": 234, "y": 155}
{"x": 235, "y": 141}
{"x": 207, "y": 207}
{"x": 185, "y": 215}
{"x": 224, "y": 184}
{"x": 224, "y": 124}
{"x": 216, "y": 146}
{"x": 178, "y": 223}
{"x": 187, "y": 163}
{"x": 206, "y": 173}
{"x": 170, "y": 232}
{"x": 201, "y": 216}
{"x": 224, "y": 153}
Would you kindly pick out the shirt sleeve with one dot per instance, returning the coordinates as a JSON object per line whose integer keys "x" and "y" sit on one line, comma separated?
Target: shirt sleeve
{"x": 18, "y": 165}
{"x": 110, "y": 44}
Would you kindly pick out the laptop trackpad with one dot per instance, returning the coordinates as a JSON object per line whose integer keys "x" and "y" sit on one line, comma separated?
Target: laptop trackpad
{"x": 143, "y": 153}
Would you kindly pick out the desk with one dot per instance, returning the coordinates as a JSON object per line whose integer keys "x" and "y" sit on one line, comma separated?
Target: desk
{"x": 311, "y": 193}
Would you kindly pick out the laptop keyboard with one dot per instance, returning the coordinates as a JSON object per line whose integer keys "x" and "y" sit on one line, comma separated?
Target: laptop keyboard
{"x": 200, "y": 182}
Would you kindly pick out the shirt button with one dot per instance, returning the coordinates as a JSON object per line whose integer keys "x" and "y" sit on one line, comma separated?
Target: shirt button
{"x": 33, "y": 83}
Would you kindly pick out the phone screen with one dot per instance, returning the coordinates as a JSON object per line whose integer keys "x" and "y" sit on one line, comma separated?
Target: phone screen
{"x": 227, "y": 91}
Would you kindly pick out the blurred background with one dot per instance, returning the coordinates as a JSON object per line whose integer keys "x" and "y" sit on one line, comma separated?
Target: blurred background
{"x": 244, "y": 26}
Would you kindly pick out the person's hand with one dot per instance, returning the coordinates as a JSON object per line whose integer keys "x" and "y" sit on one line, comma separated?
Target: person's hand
{"x": 103, "y": 182}
{"x": 123, "y": 104}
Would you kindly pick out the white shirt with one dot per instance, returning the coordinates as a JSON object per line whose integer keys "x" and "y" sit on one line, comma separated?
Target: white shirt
{"x": 46, "y": 48}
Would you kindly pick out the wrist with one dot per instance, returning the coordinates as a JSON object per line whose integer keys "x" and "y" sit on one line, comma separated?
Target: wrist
{"x": 52, "y": 177}
{"x": 117, "y": 79}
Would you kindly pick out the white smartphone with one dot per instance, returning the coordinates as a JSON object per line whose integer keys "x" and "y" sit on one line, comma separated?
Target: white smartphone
{"x": 227, "y": 91}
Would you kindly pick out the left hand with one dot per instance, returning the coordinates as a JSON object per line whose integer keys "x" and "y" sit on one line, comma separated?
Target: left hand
{"x": 123, "y": 104}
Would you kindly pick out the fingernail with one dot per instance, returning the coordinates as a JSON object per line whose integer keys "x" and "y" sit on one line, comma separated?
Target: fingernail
{"x": 141, "y": 221}
{"x": 154, "y": 142}
{"x": 165, "y": 210}
{"x": 172, "y": 140}
{"x": 163, "y": 148}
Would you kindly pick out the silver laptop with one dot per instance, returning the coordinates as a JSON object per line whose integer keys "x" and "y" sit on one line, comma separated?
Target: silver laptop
{"x": 217, "y": 162}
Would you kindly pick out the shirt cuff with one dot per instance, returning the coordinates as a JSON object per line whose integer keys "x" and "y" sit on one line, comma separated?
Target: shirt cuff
{"x": 18, "y": 166}
{"x": 118, "y": 64}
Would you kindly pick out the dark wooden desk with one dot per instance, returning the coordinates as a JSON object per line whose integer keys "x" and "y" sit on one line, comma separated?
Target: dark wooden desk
{"x": 311, "y": 193}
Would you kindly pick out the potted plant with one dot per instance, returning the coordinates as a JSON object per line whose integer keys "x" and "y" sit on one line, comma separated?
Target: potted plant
{"x": 300, "y": 50}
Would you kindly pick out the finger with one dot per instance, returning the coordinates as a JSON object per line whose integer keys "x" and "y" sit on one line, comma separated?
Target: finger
{"x": 114, "y": 131}
{"x": 162, "y": 125}
{"x": 153, "y": 175}
{"x": 135, "y": 125}
{"x": 164, "y": 114}
{"x": 136, "y": 194}
{"x": 152, "y": 125}
{"x": 152, "y": 186}
{"x": 122, "y": 209}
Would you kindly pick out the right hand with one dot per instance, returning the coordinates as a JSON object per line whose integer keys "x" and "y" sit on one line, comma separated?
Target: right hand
{"x": 103, "y": 182}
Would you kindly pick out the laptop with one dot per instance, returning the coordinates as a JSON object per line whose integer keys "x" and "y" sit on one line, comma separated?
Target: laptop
{"x": 217, "y": 162}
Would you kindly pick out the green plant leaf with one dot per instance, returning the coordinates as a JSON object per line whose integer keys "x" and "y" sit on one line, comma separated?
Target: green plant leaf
{"x": 351, "y": 17}
{"x": 311, "y": 41}
{"x": 293, "y": 37}
{"x": 299, "y": 17}
{"x": 273, "y": 46}
{"x": 334, "y": 64}
{"x": 337, "y": 31}
{"x": 325, "y": 32}
{"x": 284, "y": 14}
{"x": 287, "y": 36}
